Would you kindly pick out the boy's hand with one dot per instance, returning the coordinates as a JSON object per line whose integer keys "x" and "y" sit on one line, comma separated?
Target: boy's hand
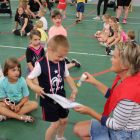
{"x": 39, "y": 90}
{"x": 73, "y": 95}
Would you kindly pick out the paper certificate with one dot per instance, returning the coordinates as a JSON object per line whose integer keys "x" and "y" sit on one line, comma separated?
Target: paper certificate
{"x": 64, "y": 102}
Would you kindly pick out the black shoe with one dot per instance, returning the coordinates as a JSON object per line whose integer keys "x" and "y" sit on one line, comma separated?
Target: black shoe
{"x": 67, "y": 60}
{"x": 108, "y": 50}
{"x": 77, "y": 64}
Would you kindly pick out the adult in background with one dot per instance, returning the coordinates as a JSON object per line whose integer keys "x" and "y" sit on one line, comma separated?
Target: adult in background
{"x": 123, "y": 100}
{"x": 121, "y": 4}
{"x": 33, "y": 7}
{"x": 98, "y": 8}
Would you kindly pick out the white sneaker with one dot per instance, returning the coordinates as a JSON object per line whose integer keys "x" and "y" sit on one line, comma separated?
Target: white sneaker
{"x": 112, "y": 52}
{"x": 22, "y": 33}
{"x": 103, "y": 44}
{"x": 28, "y": 34}
{"x": 63, "y": 138}
{"x": 96, "y": 18}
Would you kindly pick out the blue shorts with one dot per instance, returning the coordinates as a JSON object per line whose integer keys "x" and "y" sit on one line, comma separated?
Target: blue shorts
{"x": 80, "y": 7}
{"x": 27, "y": 71}
{"x": 53, "y": 112}
{"x": 100, "y": 132}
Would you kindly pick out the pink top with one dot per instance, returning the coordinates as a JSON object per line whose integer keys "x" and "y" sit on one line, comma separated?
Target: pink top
{"x": 124, "y": 36}
{"x": 56, "y": 31}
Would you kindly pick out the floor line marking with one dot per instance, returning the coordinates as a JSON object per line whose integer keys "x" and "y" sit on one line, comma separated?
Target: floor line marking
{"x": 69, "y": 52}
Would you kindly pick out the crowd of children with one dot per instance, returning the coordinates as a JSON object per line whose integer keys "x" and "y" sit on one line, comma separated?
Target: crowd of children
{"x": 42, "y": 68}
{"x": 113, "y": 33}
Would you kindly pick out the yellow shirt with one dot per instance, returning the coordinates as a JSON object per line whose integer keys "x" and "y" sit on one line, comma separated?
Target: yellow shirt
{"x": 44, "y": 36}
{"x": 81, "y": 1}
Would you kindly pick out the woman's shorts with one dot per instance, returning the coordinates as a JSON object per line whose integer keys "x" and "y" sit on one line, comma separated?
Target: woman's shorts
{"x": 123, "y": 2}
{"x": 100, "y": 132}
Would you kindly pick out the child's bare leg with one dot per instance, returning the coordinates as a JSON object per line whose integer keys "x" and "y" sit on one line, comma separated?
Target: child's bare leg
{"x": 80, "y": 17}
{"x": 61, "y": 128}
{"x": 28, "y": 107}
{"x": 64, "y": 12}
{"x": 5, "y": 110}
{"x": 77, "y": 14}
{"x": 51, "y": 130}
{"x": 110, "y": 40}
{"x": 61, "y": 11}
{"x": 70, "y": 65}
{"x": 104, "y": 37}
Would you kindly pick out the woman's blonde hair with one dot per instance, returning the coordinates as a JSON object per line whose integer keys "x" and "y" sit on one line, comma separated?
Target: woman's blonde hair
{"x": 11, "y": 63}
{"x": 129, "y": 56}
{"x": 117, "y": 28}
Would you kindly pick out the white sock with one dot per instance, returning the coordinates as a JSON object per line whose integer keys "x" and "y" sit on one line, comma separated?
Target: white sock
{"x": 59, "y": 138}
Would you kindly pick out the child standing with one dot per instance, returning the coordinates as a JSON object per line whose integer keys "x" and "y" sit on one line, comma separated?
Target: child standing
{"x": 44, "y": 37}
{"x": 105, "y": 26}
{"x": 62, "y": 6}
{"x": 51, "y": 71}
{"x": 130, "y": 35}
{"x": 34, "y": 52}
{"x": 14, "y": 93}
{"x": 58, "y": 29}
{"x": 41, "y": 14}
{"x": 22, "y": 19}
{"x": 80, "y": 10}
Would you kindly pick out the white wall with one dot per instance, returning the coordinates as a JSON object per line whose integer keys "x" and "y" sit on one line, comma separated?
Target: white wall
{"x": 135, "y": 2}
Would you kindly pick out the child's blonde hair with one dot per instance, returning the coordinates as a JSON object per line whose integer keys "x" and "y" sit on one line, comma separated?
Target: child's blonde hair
{"x": 131, "y": 34}
{"x": 56, "y": 13}
{"x": 129, "y": 53}
{"x": 59, "y": 41}
{"x": 113, "y": 19}
{"x": 39, "y": 24}
{"x": 117, "y": 28}
{"x": 34, "y": 32}
{"x": 42, "y": 12}
{"x": 107, "y": 16}
{"x": 11, "y": 63}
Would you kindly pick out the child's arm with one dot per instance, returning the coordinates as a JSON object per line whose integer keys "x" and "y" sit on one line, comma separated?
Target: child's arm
{"x": 35, "y": 73}
{"x": 72, "y": 85}
{"x": 102, "y": 31}
{"x": 16, "y": 26}
{"x": 25, "y": 24}
{"x": 24, "y": 100}
{"x": 69, "y": 1}
{"x": 116, "y": 41}
{"x": 30, "y": 66}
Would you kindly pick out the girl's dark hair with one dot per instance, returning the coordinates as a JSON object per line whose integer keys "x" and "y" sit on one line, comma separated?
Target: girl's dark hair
{"x": 56, "y": 13}
{"x": 11, "y": 63}
{"x": 34, "y": 32}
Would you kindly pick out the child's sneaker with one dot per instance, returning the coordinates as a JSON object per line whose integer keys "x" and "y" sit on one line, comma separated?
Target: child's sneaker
{"x": 63, "y": 138}
{"x": 22, "y": 33}
{"x": 103, "y": 44}
{"x": 108, "y": 50}
{"x": 64, "y": 17}
{"x": 67, "y": 60}
{"x": 77, "y": 64}
{"x": 96, "y": 18}
{"x": 79, "y": 21}
{"x": 124, "y": 21}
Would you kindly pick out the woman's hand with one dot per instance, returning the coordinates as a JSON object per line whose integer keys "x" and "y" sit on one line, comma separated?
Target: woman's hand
{"x": 90, "y": 79}
{"x": 82, "y": 109}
